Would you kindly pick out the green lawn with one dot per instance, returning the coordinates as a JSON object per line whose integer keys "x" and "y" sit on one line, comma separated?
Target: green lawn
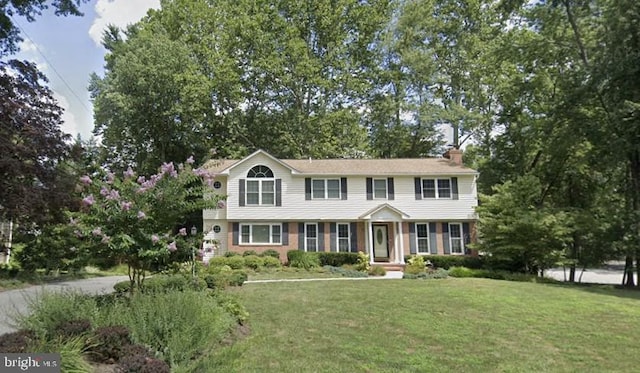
{"x": 452, "y": 325}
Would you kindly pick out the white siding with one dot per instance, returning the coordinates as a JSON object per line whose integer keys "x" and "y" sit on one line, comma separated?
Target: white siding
{"x": 295, "y": 207}
{"x": 217, "y": 214}
{"x": 220, "y": 237}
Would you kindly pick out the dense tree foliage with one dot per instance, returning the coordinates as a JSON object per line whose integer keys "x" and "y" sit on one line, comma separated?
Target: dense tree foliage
{"x": 33, "y": 186}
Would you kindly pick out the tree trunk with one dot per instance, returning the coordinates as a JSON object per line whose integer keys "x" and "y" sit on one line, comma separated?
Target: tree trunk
{"x": 628, "y": 272}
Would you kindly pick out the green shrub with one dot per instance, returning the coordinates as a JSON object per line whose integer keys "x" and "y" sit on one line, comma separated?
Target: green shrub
{"x": 178, "y": 282}
{"x": 304, "y": 260}
{"x": 49, "y": 310}
{"x": 294, "y": 255}
{"x": 271, "y": 262}
{"x": 225, "y": 278}
{"x": 461, "y": 272}
{"x": 249, "y": 252}
{"x": 235, "y": 262}
{"x": 122, "y": 287}
{"x": 229, "y": 254}
{"x": 429, "y": 274}
{"x": 231, "y": 304}
{"x": 363, "y": 264}
{"x": 448, "y": 261}
{"x": 345, "y": 272}
{"x": 415, "y": 265}
{"x": 337, "y": 259}
{"x": 253, "y": 261}
{"x": 377, "y": 271}
{"x": 177, "y": 326}
{"x": 271, "y": 253}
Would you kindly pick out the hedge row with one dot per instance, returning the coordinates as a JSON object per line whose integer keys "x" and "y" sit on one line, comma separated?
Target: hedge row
{"x": 474, "y": 262}
{"x": 321, "y": 259}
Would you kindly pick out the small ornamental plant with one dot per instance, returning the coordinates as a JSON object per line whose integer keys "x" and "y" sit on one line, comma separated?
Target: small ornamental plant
{"x": 363, "y": 264}
{"x": 415, "y": 265}
{"x": 132, "y": 218}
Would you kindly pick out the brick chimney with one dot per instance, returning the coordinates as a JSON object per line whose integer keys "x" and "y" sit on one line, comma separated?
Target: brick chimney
{"x": 454, "y": 155}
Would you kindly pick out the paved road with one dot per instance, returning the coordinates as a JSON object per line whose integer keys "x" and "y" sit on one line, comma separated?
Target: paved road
{"x": 17, "y": 301}
{"x": 611, "y": 275}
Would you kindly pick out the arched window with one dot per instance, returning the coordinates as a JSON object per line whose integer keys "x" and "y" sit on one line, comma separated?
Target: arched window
{"x": 260, "y": 171}
{"x": 262, "y": 190}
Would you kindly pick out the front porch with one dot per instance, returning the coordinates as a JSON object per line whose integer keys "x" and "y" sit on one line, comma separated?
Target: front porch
{"x": 384, "y": 236}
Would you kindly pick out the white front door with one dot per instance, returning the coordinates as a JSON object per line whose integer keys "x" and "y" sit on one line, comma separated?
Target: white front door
{"x": 380, "y": 242}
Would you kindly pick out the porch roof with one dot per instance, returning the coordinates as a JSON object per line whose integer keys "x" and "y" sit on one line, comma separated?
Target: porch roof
{"x": 380, "y": 209}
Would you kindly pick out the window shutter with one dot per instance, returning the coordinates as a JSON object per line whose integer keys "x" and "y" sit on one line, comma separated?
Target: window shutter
{"x": 343, "y": 187}
{"x": 466, "y": 237}
{"x": 369, "y": 188}
{"x": 320, "y": 236}
{"x": 236, "y": 233}
{"x": 412, "y": 238}
{"x": 390, "y": 188}
{"x": 433, "y": 242}
{"x": 278, "y": 192}
{"x": 332, "y": 237}
{"x": 353, "y": 229}
{"x": 241, "y": 194}
{"x": 285, "y": 234}
{"x": 307, "y": 188}
{"x": 418, "y": 187}
{"x": 301, "y": 236}
{"x": 454, "y": 187}
{"x": 445, "y": 238}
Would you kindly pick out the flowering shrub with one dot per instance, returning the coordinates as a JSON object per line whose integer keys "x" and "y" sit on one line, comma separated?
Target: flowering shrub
{"x": 133, "y": 217}
{"x": 415, "y": 265}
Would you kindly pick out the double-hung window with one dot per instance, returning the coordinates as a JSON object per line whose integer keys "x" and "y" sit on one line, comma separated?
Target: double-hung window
{"x": 311, "y": 237}
{"x": 325, "y": 188}
{"x": 436, "y": 188}
{"x": 380, "y": 188}
{"x": 343, "y": 237}
{"x": 260, "y": 188}
{"x": 456, "y": 238}
{"x": 260, "y": 233}
{"x": 422, "y": 238}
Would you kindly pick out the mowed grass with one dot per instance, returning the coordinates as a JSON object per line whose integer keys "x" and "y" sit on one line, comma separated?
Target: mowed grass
{"x": 452, "y": 325}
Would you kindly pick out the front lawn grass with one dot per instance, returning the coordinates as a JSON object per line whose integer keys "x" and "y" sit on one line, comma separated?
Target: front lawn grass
{"x": 452, "y": 325}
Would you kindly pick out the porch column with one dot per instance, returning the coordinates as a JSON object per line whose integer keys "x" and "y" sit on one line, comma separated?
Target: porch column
{"x": 369, "y": 240}
{"x": 401, "y": 234}
{"x": 396, "y": 258}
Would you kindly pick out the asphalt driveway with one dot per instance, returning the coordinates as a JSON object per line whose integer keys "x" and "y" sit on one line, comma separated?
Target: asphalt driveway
{"x": 14, "y": 302}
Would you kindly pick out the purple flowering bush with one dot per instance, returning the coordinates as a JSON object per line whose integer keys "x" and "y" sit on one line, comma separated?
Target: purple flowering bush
{"x": 132, "y": 217}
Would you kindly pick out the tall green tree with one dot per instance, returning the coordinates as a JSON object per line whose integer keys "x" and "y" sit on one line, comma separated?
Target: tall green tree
{"x": 289, "y": 77}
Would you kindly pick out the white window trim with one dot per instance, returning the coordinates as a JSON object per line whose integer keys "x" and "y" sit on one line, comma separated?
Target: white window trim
{"x": 428, "y": 238}
{"x": 307, "y": 237}
{"x": 250, "y": 225}
{"x": 436, "y": 180}
{"x": 461, "y": 240}
{"x": 326, "y": 189}
{"x": 259, "y": 180}
{"x": 386, "y": 189}
{"x": 338, "y": 238}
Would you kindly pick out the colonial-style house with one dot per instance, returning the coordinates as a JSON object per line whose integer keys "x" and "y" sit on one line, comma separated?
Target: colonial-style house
{"x": 388, "y": 208}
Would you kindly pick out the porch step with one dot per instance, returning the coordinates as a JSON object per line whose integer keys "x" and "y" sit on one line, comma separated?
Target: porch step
{"x": 391, "y": 266}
